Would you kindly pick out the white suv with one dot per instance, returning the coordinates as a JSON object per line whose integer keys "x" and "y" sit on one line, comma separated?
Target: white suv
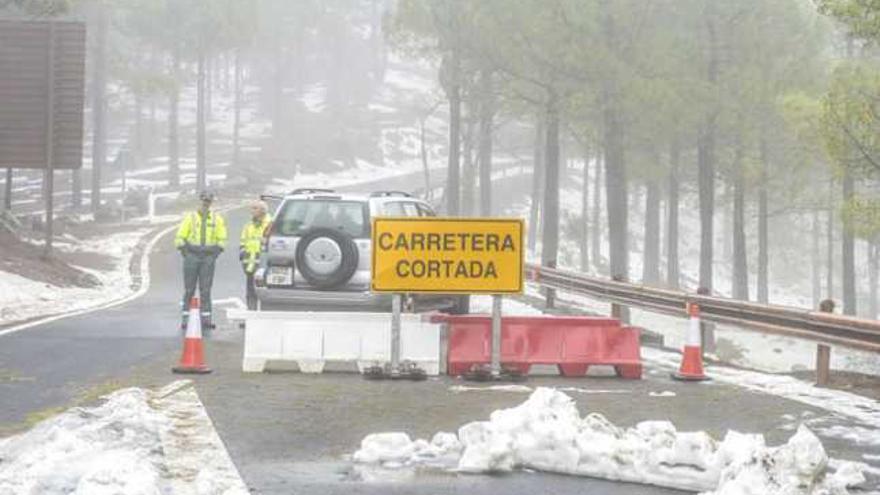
{"x": 317, "y": 251}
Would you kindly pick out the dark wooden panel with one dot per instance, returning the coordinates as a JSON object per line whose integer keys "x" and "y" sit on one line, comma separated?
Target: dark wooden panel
{"x": 24, "y": 93}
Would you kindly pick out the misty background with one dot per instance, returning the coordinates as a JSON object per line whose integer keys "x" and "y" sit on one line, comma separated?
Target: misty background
{"x": 730, "y": 145}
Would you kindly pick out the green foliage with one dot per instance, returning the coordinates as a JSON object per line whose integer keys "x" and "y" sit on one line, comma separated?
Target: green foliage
{"x": 861, "y": 16}
{"x": 861, "y": 216}
{"x": 38, "y": 8}
{"x": 850, "y": 125}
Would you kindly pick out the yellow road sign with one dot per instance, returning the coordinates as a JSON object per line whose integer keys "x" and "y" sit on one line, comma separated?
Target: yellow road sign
{"x": 447, "y": 255}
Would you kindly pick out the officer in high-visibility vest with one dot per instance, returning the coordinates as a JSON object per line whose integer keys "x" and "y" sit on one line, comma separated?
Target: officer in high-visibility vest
{"x": 251, "y": 246}
{"x": 200, "y": 238}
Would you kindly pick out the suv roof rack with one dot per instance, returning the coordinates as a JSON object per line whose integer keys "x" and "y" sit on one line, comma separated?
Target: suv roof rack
{"x": 384, "y": 194}
{"x": 310, "y": 190}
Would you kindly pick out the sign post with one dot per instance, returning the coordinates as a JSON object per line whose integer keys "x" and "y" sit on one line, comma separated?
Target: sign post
{"x": 42, "y": 71}
{"x": 395, "y": 332}
{"x": 496, "y": 335}
{"x": 49, "y": 174}
{"x": 447, "y": 256}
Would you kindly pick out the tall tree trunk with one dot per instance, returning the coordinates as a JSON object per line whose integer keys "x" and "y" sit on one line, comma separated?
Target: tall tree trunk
{"x": 596, "y": 221}
{"x": 849, "y": 254}
{"x": 550, "y": 223}
{"x": 173, "y": 126}
{"x": 209, "y": 87}
{"x": 651, "y": 260}
{"x": 706, "y": 173}
{"x": 873, "y": 267}
{"x": 584, "y": 243}
{"x": 740, "y": 287}
{"x": 453, "y": 181}
{"x": 423, "y": 153}
{"x": 278, "y": 82}
{"x": 224, "y": 73}
{"x": 99, "y": 80}
{"x": 469, "y": 169}
{"x": 201, "y": 162}
{"x": 816, "y": 259}
{"x": 76, "y": 188}
{"x": 763, "y": 230}
{"x": 138, "y": 151}
{"x": 672, "y": 268}
{"x": 487, "y": 117}
{"x": 537, "y": 184}
{"x": 236, "y": 122}
{"x": 616, "y": 194}
{"x": 829, "y": 276}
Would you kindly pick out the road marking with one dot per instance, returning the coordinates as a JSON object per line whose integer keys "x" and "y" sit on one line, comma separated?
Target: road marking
{"x": 230, "y": 301}
{"x": 145, "y": 286}
{"x": 194, "y": 446}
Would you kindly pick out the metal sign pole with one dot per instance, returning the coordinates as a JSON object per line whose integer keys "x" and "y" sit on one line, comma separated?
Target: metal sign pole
{"x": 396, "y": 300}
{"x": 7, "y": 197}
{"x": 496, "y": 334}
{"x": 50, "y": 141}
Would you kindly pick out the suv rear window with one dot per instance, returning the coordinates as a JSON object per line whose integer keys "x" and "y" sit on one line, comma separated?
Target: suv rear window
{"x": 298, "y": 216}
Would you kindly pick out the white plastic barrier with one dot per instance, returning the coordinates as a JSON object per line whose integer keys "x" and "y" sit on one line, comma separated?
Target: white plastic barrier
{"x": 312, "y": 338}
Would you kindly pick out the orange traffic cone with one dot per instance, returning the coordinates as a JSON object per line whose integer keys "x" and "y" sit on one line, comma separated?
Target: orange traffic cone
{"x": 692, "y": 361}
{"x": 192, "y": 360}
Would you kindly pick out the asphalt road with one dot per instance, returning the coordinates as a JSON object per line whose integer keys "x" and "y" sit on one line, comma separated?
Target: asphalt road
{"x": 61, "y": 362}
{"x": 290, "y": 433}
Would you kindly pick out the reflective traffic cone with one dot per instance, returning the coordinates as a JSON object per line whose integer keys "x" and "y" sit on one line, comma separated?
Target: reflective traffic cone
{"x": 193, "y": 358}
{"x": 692, "y": 359}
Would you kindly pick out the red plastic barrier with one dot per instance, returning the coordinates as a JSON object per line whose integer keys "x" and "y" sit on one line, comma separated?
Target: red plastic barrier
{"x": 573, "y": 343}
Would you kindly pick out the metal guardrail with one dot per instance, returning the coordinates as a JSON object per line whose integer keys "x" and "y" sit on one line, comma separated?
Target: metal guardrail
{"x": 825, "y": 328}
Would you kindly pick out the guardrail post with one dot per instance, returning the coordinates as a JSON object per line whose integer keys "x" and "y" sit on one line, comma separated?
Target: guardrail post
{"x": 823, "y": 352}
{"x": 823, "y": 365}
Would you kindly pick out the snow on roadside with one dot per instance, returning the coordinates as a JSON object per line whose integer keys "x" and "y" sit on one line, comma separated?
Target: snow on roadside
{"x": 22, "y": 298}
{"x": 853, "y": 406}
{"x": 547, "y": 433}
{"x": 138, "y": 442}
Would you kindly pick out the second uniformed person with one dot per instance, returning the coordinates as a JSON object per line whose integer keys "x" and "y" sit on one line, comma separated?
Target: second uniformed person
{"x": 251, "y": 246}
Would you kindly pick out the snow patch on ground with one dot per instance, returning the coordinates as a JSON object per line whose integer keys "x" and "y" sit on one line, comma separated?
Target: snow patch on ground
{"x": 22, "y": 298}
{"x": 665, "y": 393}
{"x": 547, "y": 433}
{"x": 862, "y": 409}
{"x": 594, "y": 390}
{"x": 363, "y": 172}
{"x": 491, "y": 388}
{"x": 138, "y": 442}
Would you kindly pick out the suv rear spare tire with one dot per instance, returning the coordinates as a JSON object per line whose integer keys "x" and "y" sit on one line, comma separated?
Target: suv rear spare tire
{"x": 326, "y": 258}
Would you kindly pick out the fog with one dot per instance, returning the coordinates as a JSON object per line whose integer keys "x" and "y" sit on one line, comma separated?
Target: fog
{"x": 678, "y": 143}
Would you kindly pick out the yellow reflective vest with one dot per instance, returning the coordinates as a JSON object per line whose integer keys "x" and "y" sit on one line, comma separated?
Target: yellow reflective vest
{"x": 251, "y": 243}
{"x": 195, "y": 230}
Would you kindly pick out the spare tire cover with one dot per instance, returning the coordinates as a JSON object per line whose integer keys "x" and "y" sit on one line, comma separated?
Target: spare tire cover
{"x": 326, "y": 258}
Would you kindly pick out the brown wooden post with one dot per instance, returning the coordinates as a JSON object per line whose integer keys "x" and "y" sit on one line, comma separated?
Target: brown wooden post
{"x": 823, "y": 365}
{"x": 49, "y": 173}
{"x": 823, "y": 351}
{"x": 7, "y": 196}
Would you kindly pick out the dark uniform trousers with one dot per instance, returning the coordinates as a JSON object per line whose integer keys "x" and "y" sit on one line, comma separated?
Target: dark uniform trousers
{"x": 198, "y": 271}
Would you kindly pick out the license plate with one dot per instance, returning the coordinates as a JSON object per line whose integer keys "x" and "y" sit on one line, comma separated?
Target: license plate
{"x": 279, "y": 275}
